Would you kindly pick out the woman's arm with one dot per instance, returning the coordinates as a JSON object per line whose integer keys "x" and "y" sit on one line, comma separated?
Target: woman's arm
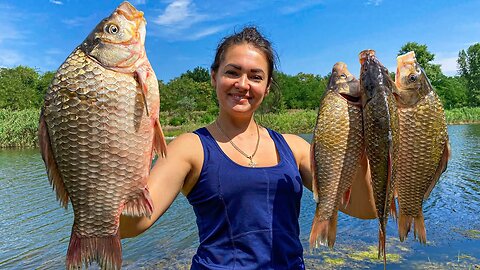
{"x": 167, "y": 178}
{"x": 361, "y": 203}
{"x": 301, "y": 151}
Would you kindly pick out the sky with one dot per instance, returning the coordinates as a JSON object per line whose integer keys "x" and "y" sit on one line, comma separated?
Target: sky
{"x": 309, "y": 36}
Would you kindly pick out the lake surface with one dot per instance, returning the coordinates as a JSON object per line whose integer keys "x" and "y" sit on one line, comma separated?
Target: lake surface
{"x": 35, "y": 230}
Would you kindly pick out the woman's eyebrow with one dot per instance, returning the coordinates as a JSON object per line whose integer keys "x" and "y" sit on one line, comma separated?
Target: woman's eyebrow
{"x": 254, "y": 70}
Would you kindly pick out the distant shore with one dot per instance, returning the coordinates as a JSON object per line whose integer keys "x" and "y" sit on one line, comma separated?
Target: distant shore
{"x": 18, "y": 129}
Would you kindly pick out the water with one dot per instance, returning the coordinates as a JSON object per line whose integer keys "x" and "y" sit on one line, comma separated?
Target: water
{"x": 35, "y": 230}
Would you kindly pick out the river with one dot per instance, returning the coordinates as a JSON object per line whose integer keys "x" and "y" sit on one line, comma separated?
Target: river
{"x": 35, "y": 230}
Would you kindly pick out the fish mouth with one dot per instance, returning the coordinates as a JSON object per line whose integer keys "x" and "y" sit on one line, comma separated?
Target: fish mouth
{"x": 351, "y": 99}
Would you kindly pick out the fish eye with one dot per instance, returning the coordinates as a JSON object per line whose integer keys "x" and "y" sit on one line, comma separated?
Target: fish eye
{"x": 412, "y": 78}
{"x": 111, "y": 28}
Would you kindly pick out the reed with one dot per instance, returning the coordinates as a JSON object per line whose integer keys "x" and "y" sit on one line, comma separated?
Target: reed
{"x": 18, "y": 129}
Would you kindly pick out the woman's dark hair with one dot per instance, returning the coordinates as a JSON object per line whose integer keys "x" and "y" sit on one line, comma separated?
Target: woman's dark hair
{"x": 252, "y": 36}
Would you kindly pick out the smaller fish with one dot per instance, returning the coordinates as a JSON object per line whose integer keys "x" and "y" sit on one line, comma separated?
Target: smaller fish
{"x": 336, "y": 150}
{"x": 423, "y": 149}
{"x": 380, "y": 123}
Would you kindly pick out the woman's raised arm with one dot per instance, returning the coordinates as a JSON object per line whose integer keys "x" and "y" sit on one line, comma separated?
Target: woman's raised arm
{"x": 177, "y": 172}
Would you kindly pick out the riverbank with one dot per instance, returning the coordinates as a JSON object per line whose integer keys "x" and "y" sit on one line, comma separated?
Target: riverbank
{"x": 18, "y": 129}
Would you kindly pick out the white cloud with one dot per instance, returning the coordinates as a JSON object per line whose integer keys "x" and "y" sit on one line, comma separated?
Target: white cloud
{"x": 374, "y": 2}
{"x": 448, "y": 65}
{"x": 207, "y": 32}
{"x": 180, "y": 14}
{"x": 138, "y": 2}
{"x": 77, "y": 21}
{"x": 297, "y": 6}
{"x": 10, "y": 58}
{"x": 56, "y": 2}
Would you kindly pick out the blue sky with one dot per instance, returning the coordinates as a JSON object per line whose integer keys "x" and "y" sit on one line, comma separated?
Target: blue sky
{"x": 309, "y": 36}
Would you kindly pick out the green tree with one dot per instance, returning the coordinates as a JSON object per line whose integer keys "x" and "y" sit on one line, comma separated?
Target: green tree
{"x": 452, "y": 92}
{"x": 198, "y": 74}
{"x": 18, "y": 88}
{"x": 424, "y": 58}
{"x": 469, "y": 64}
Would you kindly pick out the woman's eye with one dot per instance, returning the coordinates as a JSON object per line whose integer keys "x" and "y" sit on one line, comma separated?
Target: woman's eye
{"x": 257, "y": 78}
{"x": 231, "y": 72}
{"x": 111, "y": 29}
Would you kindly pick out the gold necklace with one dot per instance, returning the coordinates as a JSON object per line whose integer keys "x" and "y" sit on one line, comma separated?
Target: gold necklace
{"x": 252, "y": 163}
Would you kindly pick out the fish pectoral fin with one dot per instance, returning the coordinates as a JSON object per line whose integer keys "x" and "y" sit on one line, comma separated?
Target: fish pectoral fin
{"x": 142, "y": 205}
{"x": 159, "y": 143}
{"x": 53, "y": 172}
{"x": 313, "y": 167}
{"x": 141, "y": 77}
{"x": 393, "y": 209}
{"x": 442, "y": 166}
{"x": 319, "y": 232}
{"x": 346, "y": 197}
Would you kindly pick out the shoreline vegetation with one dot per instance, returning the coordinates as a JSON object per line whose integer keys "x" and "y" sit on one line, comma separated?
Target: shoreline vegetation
{"x": 18, "y": 129}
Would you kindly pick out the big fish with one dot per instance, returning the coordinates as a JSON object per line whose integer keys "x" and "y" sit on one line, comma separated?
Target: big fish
{"x": 380, "y": 121}
{"x": 98, "y": 130}
{"x": 424, "y": 148}
{"x": 336, "y": 149}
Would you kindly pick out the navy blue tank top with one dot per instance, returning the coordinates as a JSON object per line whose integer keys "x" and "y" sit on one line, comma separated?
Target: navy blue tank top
{"x": 247, "y": 218}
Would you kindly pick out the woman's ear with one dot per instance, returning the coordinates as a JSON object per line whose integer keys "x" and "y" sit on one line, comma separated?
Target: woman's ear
{"x": 213, "y": 81}
{"x": 268, "y": 89}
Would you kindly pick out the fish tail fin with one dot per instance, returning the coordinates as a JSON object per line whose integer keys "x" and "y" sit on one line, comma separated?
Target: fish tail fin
{"x": 332, "y": 230}
{"x": 419, "y": 228}
{"x": 142, "y": 205}
{"x": 404, "y": 226}
{"x": 159, "y": 143}
{"x": 319, "y": 231}
{"x": 53, "y": 172}
{"x": 381, "y": 242}
{"x": 106, "y": 251}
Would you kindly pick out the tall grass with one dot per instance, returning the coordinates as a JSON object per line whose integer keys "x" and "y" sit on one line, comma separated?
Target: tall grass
{"x": 463, "y": 115}
{"x": 19, "y": 128}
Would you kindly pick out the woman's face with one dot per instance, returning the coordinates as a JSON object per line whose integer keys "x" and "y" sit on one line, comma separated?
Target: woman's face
{"x": 241, "y": 81}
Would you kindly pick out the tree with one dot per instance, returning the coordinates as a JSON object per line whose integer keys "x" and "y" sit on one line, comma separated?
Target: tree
{"x": 469, "y": 64}
{"x": 198, "y": 74}
{"x": 452, "y": 92}
{"x": 18, "y": 88}
{"x": 424, "y": 58}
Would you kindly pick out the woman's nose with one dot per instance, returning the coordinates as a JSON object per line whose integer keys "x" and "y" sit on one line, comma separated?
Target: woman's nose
{"x": 242, "y": 83}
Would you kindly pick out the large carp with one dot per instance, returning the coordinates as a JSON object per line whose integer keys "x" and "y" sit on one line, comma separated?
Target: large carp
{"x": 424, "y": 148}
{"x": 336, "y": 149}
{"x": 98, "y": 129}
{"x": 380, "y": 121}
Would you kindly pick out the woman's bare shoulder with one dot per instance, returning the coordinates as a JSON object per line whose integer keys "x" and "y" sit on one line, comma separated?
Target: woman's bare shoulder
{"x": 295, "y": 141}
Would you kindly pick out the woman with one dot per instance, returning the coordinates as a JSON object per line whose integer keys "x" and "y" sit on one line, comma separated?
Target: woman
{"x": 243, "y": 180}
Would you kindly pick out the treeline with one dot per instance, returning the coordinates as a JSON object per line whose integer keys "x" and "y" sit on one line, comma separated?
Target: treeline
{"x": 24, "y": 87}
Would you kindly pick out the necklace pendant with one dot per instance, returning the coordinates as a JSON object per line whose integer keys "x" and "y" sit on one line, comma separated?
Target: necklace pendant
{"x": 252, "y": 164}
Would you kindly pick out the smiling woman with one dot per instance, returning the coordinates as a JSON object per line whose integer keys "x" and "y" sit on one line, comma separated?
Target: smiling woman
{"x": 243, "y": 180}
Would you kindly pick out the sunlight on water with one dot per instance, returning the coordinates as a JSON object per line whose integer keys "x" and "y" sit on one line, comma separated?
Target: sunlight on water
{"x": 36, "y": 229}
